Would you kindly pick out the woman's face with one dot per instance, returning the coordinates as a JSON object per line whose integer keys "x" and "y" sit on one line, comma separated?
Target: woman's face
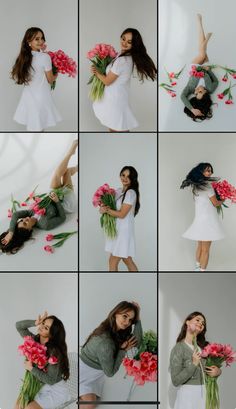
{"x": 126, "y": 42}
{"x": 207, "y": 172}
{"x": 26, "y": 223}
{"x": 37, "y": 42}
{"x": 125, "y": 179}
{"x": 124, "y": 319}
{"x": 199, "y": 92}
{"x": 44, "y": 328}
{"x": 198, "y": 322}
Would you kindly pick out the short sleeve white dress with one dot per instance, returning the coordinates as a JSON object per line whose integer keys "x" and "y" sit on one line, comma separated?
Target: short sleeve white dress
{"x": 124, "y": 243}
{"x": 36, "y": 108}
{"x": 113, "y": 110}
{"x": 206, "y": 225}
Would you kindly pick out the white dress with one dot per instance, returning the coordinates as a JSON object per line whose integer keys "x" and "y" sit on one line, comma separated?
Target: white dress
{"x": 36, "y": 108}
{"x": 124, "y": 244}
{"x": 206, "y": 225}
{"x": 113, "y": 110}
{"x": 191, "y": 396}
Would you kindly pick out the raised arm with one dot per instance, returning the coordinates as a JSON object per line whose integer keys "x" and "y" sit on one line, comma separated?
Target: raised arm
{"x": 211, "y": 81}
{"x": 184, "y": 97}
{"x": 18, "y": 215}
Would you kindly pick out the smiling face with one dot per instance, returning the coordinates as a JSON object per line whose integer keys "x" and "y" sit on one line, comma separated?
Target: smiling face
{"x": 126, "y": 42}
{"x": 198, "y": 323}
{"x": 207, "y": 172}
{"x": 124, "y": 319}
{"x": 27, "y": 223}
{"x": 199, "y": 92}
{"x": 44, "y": 328}
{"x": 37, "y": 42}
{"x": 125, "y": 179}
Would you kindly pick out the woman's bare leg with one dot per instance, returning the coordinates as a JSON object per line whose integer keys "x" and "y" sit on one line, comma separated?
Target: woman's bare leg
{"x": 130, "y": 264}
{"x": 66, "y": 178}
{"x": 199, "y": 251}
{"x": 202, "y": 43}
{"x": 205, "y": 253}
{"x": 63, "y": 167}
{"x": 88, "y": 397}
{"x": 114, "y": 263}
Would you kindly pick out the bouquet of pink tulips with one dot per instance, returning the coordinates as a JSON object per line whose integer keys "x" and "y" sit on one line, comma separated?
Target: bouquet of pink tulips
{"x": 224, "y": 190}
{"x": 100, "y": 56}
{"x": 105, "y": 195}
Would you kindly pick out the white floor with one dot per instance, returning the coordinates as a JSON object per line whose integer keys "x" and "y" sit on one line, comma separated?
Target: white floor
{"x": 178, "y": 46}
{"x": 27, "y": 160}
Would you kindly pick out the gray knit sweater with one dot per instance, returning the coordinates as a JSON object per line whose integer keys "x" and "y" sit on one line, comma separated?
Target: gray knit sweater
{"x": 182, "y": 369}
{"x": 53, "y": 374}
{"x": 100, "y": 352}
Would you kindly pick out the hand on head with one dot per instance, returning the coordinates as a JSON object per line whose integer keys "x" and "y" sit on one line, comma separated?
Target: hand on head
{"x": 41, "y": 318}
{"x": 7, "y": 238}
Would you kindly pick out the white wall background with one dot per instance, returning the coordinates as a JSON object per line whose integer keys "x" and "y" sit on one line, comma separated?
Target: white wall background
{"x": 103, "y": 22}
{"x": 178, "y": 154}
{"x": 178, "y": 45}
{"x": 106, "y": 291}
{"x": 58, "y": 20}
{"x": 28, "y": 160}
{"x": 25, "y": 296}
{"x": 101, "y": 160}
{"x": 214, "y": 296}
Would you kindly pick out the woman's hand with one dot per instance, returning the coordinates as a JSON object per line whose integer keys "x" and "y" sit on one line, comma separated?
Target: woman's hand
{"x": 28, "y": 365}
{"x": 7, "y": 238}
{"x": 196, "y": 357}
{"x": 54, "y": 197}
{"x": 104, "y": 209}
{"x": 94, "y": 70}
{"x": 196, "y": 112}
{"x": 213, "y": 371}
{"x": 41, "y": 318}
{"x": 206, "y": 67}
{"x": 130, "y": 343}
{"x": 138, "y": 308}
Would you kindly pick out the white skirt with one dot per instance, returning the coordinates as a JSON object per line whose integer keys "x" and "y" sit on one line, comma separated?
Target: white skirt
{"x": 191, "y": 397}
{"x": 90, "y": 380}
{"x": 69, "y": 202}
{"x": 51, "y": 396}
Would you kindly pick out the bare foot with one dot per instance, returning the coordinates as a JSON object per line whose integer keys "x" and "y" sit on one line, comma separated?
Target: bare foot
{"x": 73, "y": 147}
{"x": 199, "y": 16}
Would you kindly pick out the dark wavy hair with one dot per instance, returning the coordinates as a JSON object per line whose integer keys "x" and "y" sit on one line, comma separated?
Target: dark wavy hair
{"x": 201, "y": 340}
{"x": 17, "y": 242}
{"x": 196, "y": 179}
{"x": 143, "y": 63}
{"x": 204, "y": 105}
{"x": 57, "y": 344}
{"x": 108, "y": 326}
{"x": 134, "y": 185}
{"x": 21, "y": 69}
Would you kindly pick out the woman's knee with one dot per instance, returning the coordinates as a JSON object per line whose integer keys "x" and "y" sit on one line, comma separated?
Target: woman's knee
{"x": 127, "y": 260}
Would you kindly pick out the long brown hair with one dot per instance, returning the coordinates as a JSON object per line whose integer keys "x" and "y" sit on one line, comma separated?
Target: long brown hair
{"x": 201, "y": 340}
{"x": 21, "y": 69}
{"x": 143, "y": 63}
{"x": 57, "y": 344}
{"x": 109, "y": 324}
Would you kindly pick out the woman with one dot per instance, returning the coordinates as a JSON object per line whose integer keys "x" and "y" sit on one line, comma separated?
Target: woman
{"x": 186, "y": 365}
{"x": 51, "y": 333}
{"x": 113, "y": 109}
{"x": 105, "y": 348}
{"x": 24, "y": 221}
{"x": 199, "y": 106}
{"x": 127, "y": 205}
{"x": 206, "y": 226}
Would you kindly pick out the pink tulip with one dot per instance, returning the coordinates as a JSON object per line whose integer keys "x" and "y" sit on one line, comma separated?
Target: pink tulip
{"x": 49, "y": 249}
{"x": 49, "y": 237}
{"x": 220, "y": 96}
{"x": 53, "y": 360}
{"x": 9, "y": 213}
{"x": 229, "y": 102}
{"x": 24, "y": 204}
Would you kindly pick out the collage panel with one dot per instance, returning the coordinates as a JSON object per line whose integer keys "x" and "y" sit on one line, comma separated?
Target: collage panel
{"x": 37, "y": 306}
{"x": 196, "y": 206}
{"x": 196, "y": 353}
{"x": 119, "y": 335}
{"x": 118, "y": 57}
{"x": 38, "y": 203}
{"x": 197, "y": 70}
{"x": 39, "y": 83}
{"x": 127, "y": 163}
